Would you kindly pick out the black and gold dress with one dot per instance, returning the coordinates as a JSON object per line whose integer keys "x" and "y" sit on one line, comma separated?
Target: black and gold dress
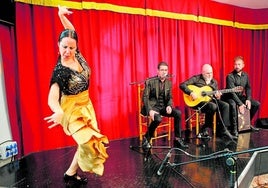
{"x": 79, "y": 118}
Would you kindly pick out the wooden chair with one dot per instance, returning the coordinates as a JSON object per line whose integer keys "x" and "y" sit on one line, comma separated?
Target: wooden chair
{"x": 163, "y": 130}
{"x": 198, "y": 119}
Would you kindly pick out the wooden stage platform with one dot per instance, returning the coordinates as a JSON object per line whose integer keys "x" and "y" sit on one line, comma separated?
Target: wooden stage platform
{"x": 204, "y": 164}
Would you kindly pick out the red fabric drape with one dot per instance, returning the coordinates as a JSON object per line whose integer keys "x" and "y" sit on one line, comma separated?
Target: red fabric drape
{"x": 7, "y": 41}
{"x": 121, "y": 49}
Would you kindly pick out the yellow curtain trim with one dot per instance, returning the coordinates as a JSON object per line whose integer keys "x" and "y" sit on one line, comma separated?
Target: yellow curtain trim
{"x": 113, "y": 8}
{"x": 53, "y": 3}
{"x": 141, "y": 11}
{"x": 215, "y": 21}
{"x": 171, "y": 15}
{"x": 250, "y": 26}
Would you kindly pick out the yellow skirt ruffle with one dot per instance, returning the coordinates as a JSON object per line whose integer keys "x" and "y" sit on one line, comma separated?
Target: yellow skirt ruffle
{"x": 79, "y": 121}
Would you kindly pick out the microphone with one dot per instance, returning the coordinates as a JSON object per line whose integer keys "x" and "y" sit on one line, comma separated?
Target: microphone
{"x": 161, "y": 77}
{"x": 168, "y": 76}
{"x": 231, "y": 161}
{"x": 165, "y": 161}
{"x": 203, "y": 94}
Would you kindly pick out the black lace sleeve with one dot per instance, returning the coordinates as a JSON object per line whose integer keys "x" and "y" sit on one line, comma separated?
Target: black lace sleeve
{"x": 61, "y": 75}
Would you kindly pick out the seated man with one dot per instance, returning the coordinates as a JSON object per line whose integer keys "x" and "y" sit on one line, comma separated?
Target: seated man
{"x": 241, "y": 99}
{"x": 157, "y": 99}
{"x": 208, "y": 107}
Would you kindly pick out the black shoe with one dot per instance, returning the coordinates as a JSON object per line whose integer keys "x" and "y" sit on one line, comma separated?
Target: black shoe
{"x": 74, "y": 178}
{"x": 180, "y": 144}
{"x": 235, "y": 133}
{"x": 146, "y": 144}
{"x": 203, "y": 134}
{"x": 254, "y": 128}
{"x": 228, "y": 135}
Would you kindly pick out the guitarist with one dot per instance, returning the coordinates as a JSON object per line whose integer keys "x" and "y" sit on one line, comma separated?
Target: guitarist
{"x": 208, "y": 107}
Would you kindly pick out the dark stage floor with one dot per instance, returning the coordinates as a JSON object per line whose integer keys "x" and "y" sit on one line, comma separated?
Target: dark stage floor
{"x": 127, "y": 167}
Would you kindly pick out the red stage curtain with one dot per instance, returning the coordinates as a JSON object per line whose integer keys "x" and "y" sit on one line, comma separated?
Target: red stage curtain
{"x": 122, "y": 49}
{"x": 7, "y": 41}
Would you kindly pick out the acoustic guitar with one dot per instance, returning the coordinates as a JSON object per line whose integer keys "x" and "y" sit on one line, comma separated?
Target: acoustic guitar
{"x": 205, "y": 93}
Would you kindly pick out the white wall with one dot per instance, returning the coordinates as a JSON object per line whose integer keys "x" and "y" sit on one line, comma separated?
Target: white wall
{"x": 5, "y": 132}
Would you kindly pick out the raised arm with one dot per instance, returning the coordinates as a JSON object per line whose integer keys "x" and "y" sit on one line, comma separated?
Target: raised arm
{"x": 64, "y": 20}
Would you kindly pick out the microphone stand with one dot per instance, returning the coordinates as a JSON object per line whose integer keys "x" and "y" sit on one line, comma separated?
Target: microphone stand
{"x": 148, "y": 79}
{"x": 230, "y": 161}
{"x": 198, "y": 110}
{"x": 143, "y": 81}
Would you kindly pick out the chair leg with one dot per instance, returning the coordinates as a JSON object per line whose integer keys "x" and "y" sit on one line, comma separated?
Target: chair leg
{"x": 197, "y": 123}
{"x": 140, "y": 127}
{"x": 190, "y": 121}
{"x": 169, "y": 129}
{"x": 214, "y": 124}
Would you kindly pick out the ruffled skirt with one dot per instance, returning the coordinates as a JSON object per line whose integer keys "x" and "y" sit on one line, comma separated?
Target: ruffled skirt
{"x": 79, "y": 121}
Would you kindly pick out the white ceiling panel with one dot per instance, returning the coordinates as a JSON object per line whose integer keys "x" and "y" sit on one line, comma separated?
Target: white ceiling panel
{"x": 253, "y": 4}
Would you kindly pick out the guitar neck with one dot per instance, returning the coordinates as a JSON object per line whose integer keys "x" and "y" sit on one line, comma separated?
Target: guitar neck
{"x": 222, "y": 91}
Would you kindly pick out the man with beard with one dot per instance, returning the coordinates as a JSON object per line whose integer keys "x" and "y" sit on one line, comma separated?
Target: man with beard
{"x": 240, "y": 100}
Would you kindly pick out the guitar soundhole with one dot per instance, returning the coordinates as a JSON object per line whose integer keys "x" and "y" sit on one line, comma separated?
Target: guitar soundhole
{"x": 203, "y": 93}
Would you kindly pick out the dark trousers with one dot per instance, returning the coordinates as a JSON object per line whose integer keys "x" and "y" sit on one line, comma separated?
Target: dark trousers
{"x": 233, "y": 110}
{"x": 222, "y": 109}
{"x": 176, "y": 114}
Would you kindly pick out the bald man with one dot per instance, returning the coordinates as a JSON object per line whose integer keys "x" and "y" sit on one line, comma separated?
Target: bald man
{"x": 209, "y": 107}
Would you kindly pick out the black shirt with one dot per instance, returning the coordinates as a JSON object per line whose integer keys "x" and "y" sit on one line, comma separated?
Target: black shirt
{"x": 232, "y": 80}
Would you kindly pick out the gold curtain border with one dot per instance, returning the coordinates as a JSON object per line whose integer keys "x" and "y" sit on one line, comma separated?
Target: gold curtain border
{"x": 144, "y": 12}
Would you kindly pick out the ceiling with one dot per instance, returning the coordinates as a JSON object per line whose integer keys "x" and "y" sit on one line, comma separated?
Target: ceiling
{"x": 253, "y": 4}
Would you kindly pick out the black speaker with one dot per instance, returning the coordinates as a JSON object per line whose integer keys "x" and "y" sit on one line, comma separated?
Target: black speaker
{"x": 262, "y": 123}
{"x": 7, "y": 11}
